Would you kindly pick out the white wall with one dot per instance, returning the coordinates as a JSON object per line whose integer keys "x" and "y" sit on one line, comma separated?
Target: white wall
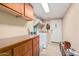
{"x": 71, "y": 26}
{"x": 55, "y": 33}
{"x": 12, "y": 26}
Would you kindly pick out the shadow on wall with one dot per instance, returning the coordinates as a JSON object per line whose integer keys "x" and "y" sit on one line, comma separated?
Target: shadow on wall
{"x": 7, "y": 19}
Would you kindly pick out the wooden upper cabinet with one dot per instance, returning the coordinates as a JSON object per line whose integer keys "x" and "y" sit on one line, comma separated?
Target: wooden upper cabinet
{"x": 25, "y": 10}
{"x": 18, "y": 7}
{"x": 28, "y": 11}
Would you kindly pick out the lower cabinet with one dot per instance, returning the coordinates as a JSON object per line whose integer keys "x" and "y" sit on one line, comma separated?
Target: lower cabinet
{"x": 27, "y": 48}
{"x": 23, "y": 49}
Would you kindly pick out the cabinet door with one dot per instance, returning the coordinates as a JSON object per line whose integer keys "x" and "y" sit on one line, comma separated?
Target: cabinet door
{"x": 29, "y": 45}
{"x": 23, "y": 48}
{"x": 29, "y": 53}
{"x": 19, "y": 50}
{"x": 19, "y": 7}
{"x": 28, "y": 11}
{"x": 36, "y": 51}
{"x": 6, "y": 53}
{"x": 36, "y": 46}
{"x": 36, "y": 41}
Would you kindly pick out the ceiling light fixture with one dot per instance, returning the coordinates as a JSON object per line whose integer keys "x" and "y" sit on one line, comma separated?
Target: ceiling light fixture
{"x": 45, "y": 6}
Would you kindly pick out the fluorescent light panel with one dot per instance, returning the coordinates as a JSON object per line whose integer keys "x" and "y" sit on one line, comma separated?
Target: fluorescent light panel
{"x": 45, "y": 6}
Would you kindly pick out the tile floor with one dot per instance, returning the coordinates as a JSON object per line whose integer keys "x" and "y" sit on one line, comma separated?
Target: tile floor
{"x": 52, "y": 49}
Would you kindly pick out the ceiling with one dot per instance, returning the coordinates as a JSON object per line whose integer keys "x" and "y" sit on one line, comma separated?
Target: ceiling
{"x": 57, "y": 10}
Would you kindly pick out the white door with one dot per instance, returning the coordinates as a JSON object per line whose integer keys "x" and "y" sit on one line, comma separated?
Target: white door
{"x": 56, "y": 31}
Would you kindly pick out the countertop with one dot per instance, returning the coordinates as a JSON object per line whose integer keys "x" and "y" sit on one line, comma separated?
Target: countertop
{"x": 4, "y": 43}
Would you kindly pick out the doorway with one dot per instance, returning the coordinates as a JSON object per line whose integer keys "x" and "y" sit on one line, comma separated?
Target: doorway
{"x": 55, "y": 32}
